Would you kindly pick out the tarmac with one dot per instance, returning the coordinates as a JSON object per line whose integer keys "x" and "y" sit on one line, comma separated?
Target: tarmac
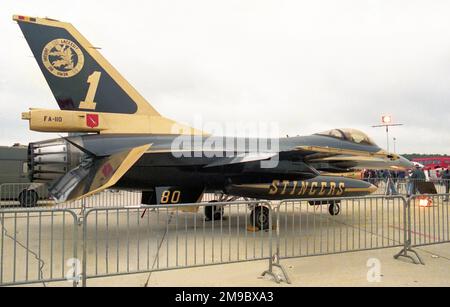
{"x": 342, "y": 270}
{"x": 349, "y": 269}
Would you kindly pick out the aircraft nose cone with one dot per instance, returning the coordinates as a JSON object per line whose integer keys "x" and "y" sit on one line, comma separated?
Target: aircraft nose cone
{"x": 405, "y": 163}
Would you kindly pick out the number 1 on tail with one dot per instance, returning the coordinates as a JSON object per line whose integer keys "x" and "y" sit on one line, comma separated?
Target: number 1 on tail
{"x": 93, "y": 81}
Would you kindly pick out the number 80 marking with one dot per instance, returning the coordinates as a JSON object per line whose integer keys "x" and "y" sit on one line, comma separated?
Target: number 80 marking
{"x": 172, "y": 197}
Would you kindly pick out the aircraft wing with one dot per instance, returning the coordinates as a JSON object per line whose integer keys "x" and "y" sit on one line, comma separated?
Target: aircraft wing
{"x": 353, "y": 159}
{"x": 363, "y": 162}
{"x": 330, "y": 151}
{"x": 95, "y": 174}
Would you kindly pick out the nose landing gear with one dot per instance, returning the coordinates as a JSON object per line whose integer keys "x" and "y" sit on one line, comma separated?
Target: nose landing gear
{"x": 334, "y": 208}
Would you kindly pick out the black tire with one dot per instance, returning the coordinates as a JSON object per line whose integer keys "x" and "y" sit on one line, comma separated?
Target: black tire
{"x": 213, "y": 212}
{"x": 260, "y": 218}
{"x": 334, "y": 209}
{"x": 28, "y": 198}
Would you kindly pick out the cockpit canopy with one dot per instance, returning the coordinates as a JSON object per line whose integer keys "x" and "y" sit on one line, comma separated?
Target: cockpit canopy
{"x": 351, "y": 135}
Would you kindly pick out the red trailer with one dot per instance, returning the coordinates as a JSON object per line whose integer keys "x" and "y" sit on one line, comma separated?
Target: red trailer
{"x": 433, "y": 163}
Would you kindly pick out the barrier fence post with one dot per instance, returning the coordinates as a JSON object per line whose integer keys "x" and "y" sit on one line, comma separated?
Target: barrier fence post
{"x": 76, "y": 278}
{"x": 270, "y": 270}
{"x": 84, "y": 263}
{"x": 274, "y": 260}
{"x": 407, "y": 234}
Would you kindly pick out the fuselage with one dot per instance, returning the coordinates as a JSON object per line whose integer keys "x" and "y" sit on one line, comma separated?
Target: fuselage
{"x": 256, "y": 168}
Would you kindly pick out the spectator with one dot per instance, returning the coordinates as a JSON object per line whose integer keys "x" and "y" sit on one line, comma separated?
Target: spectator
{"x": 390, "y": 182}
{"x": 446, "y": 179}
{"x": 374, "y": 176}
{"x": 394, "y": 176}
{"x": 416, "y": 176}
{"x": 366, "y": 175}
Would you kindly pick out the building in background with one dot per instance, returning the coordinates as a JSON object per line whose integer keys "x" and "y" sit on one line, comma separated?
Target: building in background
{"x": 15, "y": 182}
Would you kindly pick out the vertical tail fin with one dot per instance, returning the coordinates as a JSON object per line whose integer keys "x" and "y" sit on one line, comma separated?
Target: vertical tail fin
{"x": 78, "y": 75}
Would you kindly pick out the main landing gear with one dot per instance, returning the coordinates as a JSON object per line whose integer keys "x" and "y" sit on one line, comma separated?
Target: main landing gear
{"x": 216, "y": 213}
{"x": 259, "y": 216}
{"x": 213, "y": 212}
{"x": 334, "y": 207}
{"x": 28, "y": 198}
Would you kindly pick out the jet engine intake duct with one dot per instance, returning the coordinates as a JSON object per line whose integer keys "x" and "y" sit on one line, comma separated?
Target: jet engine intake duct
{"x": 48, "y": 161}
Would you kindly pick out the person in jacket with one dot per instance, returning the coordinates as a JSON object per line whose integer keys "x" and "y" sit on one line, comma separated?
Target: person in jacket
{"x": 446, "y": 180}
{"x": 417, "y": 176}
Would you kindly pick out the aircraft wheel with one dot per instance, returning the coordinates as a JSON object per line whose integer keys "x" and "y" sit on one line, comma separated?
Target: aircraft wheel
{"x": 213, "y": 212}
{"x": 334, "y": 209}
{"x": 260, "y": 217}
{"x": 28, "y": 198}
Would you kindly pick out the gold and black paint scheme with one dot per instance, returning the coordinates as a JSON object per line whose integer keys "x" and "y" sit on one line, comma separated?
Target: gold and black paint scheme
{"x": 126, "y": 144}
{"x": 318, "y": 187}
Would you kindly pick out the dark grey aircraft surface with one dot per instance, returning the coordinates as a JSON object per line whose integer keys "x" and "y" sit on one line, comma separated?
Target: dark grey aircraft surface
{"x": 127, "y": 144}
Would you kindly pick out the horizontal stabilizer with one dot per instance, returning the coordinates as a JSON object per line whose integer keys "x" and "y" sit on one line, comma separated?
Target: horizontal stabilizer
{"x": 95, "y": 174}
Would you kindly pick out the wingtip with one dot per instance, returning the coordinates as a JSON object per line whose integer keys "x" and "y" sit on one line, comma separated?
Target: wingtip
{"x": 24, "y": 18}
{"x": 372, "y": 189}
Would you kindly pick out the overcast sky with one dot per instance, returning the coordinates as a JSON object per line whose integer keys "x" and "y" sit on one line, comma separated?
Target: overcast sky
{"x": 308, "y": 65}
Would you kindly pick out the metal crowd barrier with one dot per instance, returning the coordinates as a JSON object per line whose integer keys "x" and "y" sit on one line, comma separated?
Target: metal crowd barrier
{"x": 314, "y": 227}
{"x": 429, "y": 219}
{"x": 38, "y": 246}
{"x": 306, "y": 228}
{"x": 28, "y": 195}
{"x": 116, "y": 198}
{"x": 119, "y": 241}
{"x": 402, "y": 184}
{"x": 25, "y": 195}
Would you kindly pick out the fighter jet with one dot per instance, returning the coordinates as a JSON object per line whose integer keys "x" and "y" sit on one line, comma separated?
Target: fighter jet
{"x": 127, "y": 144}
